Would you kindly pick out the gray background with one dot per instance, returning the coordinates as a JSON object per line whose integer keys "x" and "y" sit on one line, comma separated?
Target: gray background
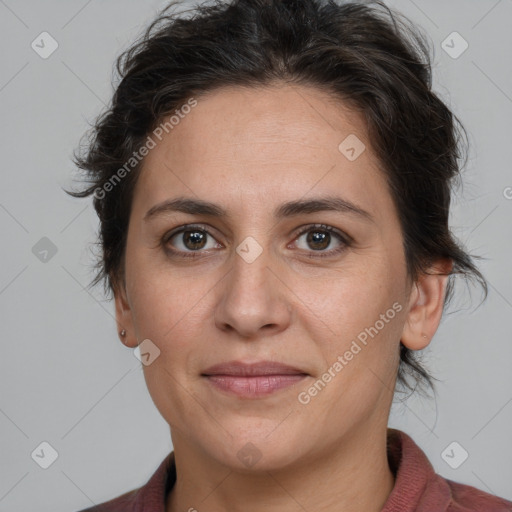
{"x": 65, "y": 378}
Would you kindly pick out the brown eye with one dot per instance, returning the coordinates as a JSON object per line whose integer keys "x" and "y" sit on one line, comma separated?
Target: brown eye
{"x": 189, "y": 240}
{"x": 318, "y": 240}
{"x": 320, "y": 237}
{"x": 193, "y": 239}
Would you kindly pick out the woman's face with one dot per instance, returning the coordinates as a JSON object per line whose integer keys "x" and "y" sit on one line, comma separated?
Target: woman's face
{"x": 261, "y": 282}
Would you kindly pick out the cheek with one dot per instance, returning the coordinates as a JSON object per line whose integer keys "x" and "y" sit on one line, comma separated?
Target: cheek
{"x": 362, "y": 315}
{"x": 351, "y": 297}
{"x": 163, "y": 297}
{"x": 170, "y": 311}
{"x": 357, "y": 313}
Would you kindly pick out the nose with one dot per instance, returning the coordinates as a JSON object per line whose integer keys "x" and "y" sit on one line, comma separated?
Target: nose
{"x": 253, "y": 299}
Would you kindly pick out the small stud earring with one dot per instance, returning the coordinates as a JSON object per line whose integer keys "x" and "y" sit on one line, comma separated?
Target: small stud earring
{"x": 424, "y": 335}
{"x": 123, "y": 333}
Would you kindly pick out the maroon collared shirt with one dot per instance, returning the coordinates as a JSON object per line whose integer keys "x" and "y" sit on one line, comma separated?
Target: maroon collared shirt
{"x": 418, "y": 488}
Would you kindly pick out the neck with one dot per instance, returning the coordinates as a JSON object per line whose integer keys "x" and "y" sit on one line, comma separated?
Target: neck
{"x": 352, "y": 476}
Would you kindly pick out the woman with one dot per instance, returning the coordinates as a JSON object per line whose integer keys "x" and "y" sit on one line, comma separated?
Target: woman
{"x": 273, "y": 188}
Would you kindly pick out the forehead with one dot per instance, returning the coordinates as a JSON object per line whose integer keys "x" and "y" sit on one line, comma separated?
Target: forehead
{"x": 275, "y": 116}
{"x": 267, "y": 144}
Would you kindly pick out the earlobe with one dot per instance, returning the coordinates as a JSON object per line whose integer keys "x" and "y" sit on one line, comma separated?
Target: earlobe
{"x": 426, "y": 306}
{"x": 124, "y": 317}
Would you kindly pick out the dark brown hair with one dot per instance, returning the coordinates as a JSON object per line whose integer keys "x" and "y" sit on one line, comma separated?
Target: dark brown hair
{"x": 368, "y": 56}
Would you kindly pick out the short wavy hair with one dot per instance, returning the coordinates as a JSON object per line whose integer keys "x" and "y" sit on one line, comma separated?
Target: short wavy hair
{"x": 365, "y": 54}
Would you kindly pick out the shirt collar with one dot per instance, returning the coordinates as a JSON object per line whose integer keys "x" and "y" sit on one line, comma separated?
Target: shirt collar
{"x": 417, "y": 486}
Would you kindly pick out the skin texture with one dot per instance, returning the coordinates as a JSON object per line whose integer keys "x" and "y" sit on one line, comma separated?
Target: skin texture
{"x": 249, "y": 151}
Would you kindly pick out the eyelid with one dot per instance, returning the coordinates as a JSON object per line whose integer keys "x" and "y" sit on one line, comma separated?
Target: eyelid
{"x": 187, "y": 227}
{"x": 326, "y": 227}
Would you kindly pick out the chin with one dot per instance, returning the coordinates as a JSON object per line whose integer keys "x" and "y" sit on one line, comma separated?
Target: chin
{"x": 253, "y": 459}
{"x": 257, "y": 450}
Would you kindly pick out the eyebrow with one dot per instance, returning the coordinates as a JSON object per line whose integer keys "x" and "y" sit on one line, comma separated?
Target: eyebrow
{"x": 288, "y": 209}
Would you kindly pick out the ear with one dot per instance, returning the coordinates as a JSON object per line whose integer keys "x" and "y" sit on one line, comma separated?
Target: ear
{"x": 124, "y": 317}
{"x": 426, "y": 305}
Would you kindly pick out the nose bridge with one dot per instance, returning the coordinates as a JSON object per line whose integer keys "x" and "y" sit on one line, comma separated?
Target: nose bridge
{"x": 252, "y": 297}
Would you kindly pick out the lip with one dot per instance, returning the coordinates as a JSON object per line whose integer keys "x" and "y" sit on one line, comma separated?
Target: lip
{"x": 252, "y": 380}
{"x": 239, "y": 368}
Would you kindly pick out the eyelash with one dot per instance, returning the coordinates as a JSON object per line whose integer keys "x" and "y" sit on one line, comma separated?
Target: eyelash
{"x": 344, "y": 239}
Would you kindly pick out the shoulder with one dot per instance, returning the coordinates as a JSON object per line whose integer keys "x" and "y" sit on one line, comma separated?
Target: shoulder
{"x": 418, "y": 487}
{"x": 465, "y": 498}
{"x": 149, "y": 497}
{"x": 123, "y": 503}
